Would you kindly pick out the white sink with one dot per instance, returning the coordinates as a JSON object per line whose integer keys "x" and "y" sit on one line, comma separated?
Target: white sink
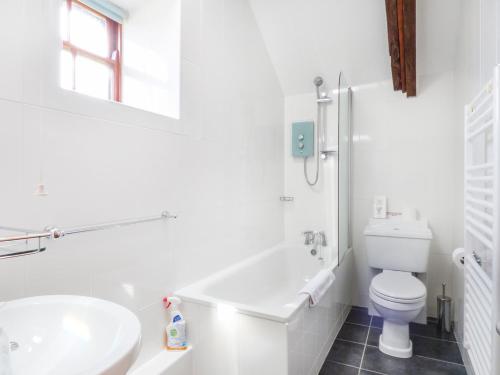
{"x": 66, "y": 335}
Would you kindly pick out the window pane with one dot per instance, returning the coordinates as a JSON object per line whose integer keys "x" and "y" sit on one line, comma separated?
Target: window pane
{"x": 88, "y": 31}
{"x": 93, "y": 78}
{"x": 66, "y": 70}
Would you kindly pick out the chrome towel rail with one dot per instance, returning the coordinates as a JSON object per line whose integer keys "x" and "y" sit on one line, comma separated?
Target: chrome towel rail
{"x": 56, "y": 233}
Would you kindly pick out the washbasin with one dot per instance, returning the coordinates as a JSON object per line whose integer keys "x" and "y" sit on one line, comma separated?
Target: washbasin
{"x": 70, "y": 335}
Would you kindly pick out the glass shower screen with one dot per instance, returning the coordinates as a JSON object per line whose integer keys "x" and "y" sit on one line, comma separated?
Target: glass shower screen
{"x": 344, "y": 167}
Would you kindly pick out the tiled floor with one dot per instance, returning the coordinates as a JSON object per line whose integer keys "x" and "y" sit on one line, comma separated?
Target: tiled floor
{"x": 355, "y": 351}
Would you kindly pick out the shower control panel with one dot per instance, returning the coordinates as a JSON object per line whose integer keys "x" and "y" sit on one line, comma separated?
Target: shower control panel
{"x": 303, "y": 139}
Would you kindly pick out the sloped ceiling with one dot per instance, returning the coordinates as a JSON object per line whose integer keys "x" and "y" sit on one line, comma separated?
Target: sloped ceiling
{"x": 306, "y": 38}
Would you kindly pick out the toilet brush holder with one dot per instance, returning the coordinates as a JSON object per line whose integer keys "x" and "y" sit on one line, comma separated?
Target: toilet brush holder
{"x": 444, "y": 311}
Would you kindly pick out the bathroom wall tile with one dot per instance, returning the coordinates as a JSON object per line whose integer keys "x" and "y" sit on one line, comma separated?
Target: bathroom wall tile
{"x": 11, "y": 49}
{"x": 389, "y": 159}
{"x": 153, "y": 339}
{"x": 12, "y": 279}
{"x": 219, "y": 167}
{"x": 191, "y": 30}
{"x": 191, "y": 99}
{"x": 440, "y": 272}
{"x": 12, "y": 153}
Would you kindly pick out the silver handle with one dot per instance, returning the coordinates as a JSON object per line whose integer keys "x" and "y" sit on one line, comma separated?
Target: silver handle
{"x": 55, "y": 233}
{"x": 498, "y": 328}
{"x": 309, "y": 237}
{"x": 22, "y": 253}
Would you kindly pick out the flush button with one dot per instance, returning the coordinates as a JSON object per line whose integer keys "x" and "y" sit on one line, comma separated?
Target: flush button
{"x": 301, "y": 137}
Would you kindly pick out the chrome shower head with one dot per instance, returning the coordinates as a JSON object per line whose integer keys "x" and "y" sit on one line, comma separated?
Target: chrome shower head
{"x": 318, "y": 82}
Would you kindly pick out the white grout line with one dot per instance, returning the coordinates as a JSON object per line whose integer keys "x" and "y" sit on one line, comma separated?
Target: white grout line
{"x": 374, "y": 372}
{"x": 357, "y": 324}
{"x": 433, "y": 338}
{"x": 349, "y": 341}
{"x": 364, "y": 348}
{"x": 439, "y": 360}
{"x": 344, "y": 364}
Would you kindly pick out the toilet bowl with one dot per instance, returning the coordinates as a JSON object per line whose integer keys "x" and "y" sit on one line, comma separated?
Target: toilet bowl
{"x": 398, "y": 297}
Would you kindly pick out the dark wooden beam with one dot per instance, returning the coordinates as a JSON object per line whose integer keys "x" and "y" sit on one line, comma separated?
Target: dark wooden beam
{"x": 401, "y": 31}
{"x": 410, "y": 44}
{"x": 391, "y": 8}
{"x": 401, "y": 22}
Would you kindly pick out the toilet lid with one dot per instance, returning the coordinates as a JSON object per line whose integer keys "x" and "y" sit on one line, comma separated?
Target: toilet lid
{"x": 397, "y": 285}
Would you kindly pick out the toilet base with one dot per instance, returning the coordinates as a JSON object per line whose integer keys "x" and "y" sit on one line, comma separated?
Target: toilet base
{"x": 395, "y": 340}
{"x": 395, "y": 352}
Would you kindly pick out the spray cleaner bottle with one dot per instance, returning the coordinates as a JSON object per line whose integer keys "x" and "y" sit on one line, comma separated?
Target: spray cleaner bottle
{"x": 176, "y": 329}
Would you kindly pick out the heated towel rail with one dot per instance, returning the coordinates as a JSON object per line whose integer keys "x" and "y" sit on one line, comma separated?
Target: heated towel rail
{"x": 481, "y": 224}
{"x": 57, "y": 233}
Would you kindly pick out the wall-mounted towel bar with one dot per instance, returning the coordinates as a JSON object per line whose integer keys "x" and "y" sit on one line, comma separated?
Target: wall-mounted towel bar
{"x": 56, "y": 233}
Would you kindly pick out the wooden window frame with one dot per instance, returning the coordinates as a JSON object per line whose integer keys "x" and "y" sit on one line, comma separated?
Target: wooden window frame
{"x": 114, "y": 58}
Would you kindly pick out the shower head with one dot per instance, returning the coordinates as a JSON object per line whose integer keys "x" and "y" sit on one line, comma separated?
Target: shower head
{"x": 318, "y": 82}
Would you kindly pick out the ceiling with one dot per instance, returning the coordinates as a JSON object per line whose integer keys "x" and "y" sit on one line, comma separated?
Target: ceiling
{"x": 322, "y": 37}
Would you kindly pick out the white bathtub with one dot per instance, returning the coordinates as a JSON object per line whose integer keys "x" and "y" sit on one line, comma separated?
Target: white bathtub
{"x": 249, "y": 317}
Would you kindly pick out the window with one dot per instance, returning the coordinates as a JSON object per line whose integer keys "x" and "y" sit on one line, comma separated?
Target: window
{"x": 126, "y": 51}
{"x": 91, "y": 51}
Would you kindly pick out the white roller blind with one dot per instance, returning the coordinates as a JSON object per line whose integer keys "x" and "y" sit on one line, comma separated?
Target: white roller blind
{"x": 108, "y": 9}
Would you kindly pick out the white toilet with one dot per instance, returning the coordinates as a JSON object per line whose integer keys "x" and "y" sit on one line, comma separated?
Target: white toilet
{"x": 399, "y": 248}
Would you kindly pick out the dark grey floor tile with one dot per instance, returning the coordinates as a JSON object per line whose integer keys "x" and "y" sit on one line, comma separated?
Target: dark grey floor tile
{"x": 437, "y": 349}
{"x": 359, "y": 316}
{"x": 373, "y": 336}
{"x": 377, "y": 361}
{"x": 366, "y": 372}
{"x": 430, "y": 330}
{"x": 353, "y": 332}
{"x": 333, "y": 368}
{"x": 377, "y": 321}
{"x": 346, "y": 352}
{"x": 360, "y": 308}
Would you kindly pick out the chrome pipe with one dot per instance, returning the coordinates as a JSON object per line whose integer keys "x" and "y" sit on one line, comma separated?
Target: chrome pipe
{"x": 56, "y": 233}
{"x": 22, "y": 253}
{"x": 29, "y": 236}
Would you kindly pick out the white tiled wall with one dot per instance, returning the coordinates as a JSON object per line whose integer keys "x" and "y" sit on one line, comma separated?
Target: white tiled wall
{"x": 220, "y": 168}
{"x": 405, "y": 149}
{"x": 313, "y": 208}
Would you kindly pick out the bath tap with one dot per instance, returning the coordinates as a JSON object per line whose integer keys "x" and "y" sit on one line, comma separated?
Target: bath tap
{"x": 317, "y": 239}
{"x": 322, "y": 237}
{"x": 309, "y": 237}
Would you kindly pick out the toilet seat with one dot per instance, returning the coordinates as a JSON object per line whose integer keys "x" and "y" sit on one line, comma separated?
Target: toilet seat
{"x": 397, "y": 287}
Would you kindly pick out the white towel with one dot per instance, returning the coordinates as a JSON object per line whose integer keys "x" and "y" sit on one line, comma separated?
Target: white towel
{"x": 318, "y": 286}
